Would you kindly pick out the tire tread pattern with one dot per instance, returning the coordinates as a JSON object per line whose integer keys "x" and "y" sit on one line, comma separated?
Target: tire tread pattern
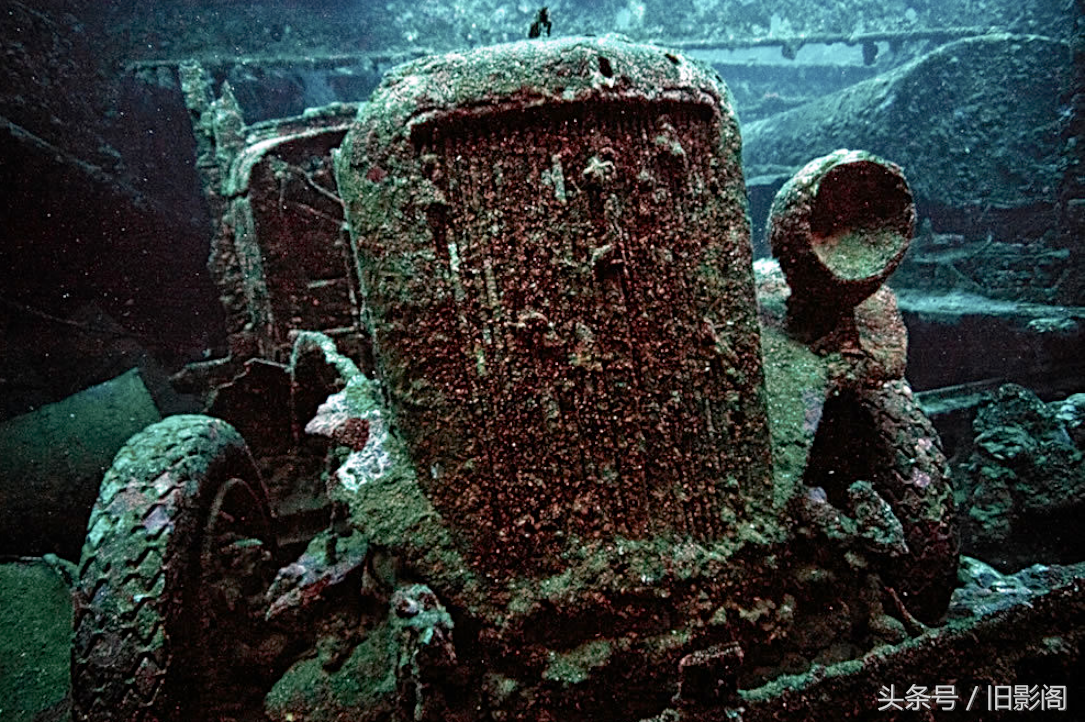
{"x": 142, "y": 549}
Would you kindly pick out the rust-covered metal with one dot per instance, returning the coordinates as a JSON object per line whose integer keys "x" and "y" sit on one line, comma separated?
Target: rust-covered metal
{"x": 839, "y": 227}
{"x": 280, "y": 254}
{"x": 554, "y": 250}
{"x": 555, "y": 497}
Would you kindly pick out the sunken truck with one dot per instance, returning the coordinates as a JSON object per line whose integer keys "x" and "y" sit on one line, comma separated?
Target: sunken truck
{"x": 514, "y": 428}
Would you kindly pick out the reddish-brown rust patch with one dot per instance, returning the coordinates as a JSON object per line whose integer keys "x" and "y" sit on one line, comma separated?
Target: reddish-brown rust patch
{"x": 376, "y": 174}
{"x": 569, "y": 340}
{"x": 839, "y": 227}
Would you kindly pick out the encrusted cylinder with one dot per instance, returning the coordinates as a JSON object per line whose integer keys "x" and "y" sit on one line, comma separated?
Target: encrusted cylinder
{"x": 554, "y": 253}
{"x": 840, "y": 227}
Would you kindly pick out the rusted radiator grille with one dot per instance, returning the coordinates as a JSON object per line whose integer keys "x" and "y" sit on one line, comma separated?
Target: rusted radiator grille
{"x": 583, "y": 358}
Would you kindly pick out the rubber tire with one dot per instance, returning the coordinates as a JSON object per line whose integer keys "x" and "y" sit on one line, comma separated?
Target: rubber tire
{"x": 137, "y": 616}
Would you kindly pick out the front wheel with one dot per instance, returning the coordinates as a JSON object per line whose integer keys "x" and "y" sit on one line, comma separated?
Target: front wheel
{"x": 178, "y": 552}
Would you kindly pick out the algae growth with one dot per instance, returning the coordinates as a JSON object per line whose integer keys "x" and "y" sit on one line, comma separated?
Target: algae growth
{"x": 36, "y": 614}
{"x": 857, "y": 253}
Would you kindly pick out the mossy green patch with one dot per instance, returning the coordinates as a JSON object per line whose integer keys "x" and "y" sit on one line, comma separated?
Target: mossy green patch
{"x": 795, "y": 380}
{"x": 363, "y": 688}
{"x": 394, "y": 514}
{"x": 36, "y": 619}
{"x": 575, "y": 666}
{"x": 858, "y": 253}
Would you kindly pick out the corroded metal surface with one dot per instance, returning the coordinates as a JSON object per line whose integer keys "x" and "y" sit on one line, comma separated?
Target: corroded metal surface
{"x": 280, "y": 254}
{"x": 840, "y": 227}
{"x": 555, "y": 257}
